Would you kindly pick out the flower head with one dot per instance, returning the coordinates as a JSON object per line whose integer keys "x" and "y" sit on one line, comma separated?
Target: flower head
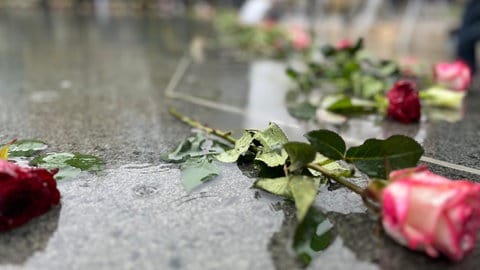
{"x": 25, "y": 193}
{"x": 300, "y": 38}
{"x": 453, "y": 75}
{"x": 343, "y": 44}
{"x": 403, "y": 102}
{"x": 429, "y": 212}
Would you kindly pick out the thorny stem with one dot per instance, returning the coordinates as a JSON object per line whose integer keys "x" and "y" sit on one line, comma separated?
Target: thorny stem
{"x": 195, "y": 124}
{"x": 339, "y": 179}
{"x": 226, "y": 135}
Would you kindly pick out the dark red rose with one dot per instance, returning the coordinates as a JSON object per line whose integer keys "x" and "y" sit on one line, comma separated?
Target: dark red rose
{"x": 25, "y": 193}
{"x": 403, "y": 102}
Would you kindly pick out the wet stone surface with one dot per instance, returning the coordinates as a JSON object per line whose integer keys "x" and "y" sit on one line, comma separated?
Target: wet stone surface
{"x": 98, "y": 87}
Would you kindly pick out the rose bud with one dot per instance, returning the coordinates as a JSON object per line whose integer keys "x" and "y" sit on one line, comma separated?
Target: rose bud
{"x": 25, "y": 193}
{"x": 455, "y": 75}
{"x": 403, "y": 102}
{"x": 428, "y": 212}
{"x": 343, "y": 44}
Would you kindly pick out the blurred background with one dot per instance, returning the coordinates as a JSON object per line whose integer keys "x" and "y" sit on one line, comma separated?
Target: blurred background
{"x": 392, "y": 28}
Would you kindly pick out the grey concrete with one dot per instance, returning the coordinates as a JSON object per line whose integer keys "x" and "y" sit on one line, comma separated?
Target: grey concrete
{"x": 97, "y": 87}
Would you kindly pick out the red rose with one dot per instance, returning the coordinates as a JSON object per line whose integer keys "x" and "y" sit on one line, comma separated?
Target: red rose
{"x": 25, "y": 193}
{"x": 343, "y": 44}
{"x": 403, "y": 102}
{"x": 456, "y": 75}
{"x": 429, "y": 212}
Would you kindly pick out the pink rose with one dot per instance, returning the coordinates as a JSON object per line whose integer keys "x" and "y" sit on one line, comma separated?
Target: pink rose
{"x": 456, "y": 75}
{"x": 343, "y": 44}
{"x": 429, "y": 212}
{"x": 25, "y": 193}
{"x": 300, "y": 38}
{"x": 403, "y": 102}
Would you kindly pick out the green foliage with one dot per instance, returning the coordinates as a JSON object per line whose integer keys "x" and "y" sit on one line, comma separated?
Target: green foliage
{"x": 304, "y": 190}
{"x": 348, "y": 79}
{"x": 196, "y": 171}
{"x": 312, "y": 235}
{"x": 346, "y": 105}
{"x": 334, "y": 167}
{"x": 308, "y": 164}
{"x": 272, "y": 40}
{"x": 279, "y": 186}
{"x": 300, "y": 154}
{"x": 195, "y": 146}
{"x": 377, "y": 158}
{"x": 327, "y": 143}
{"x": 26, "y": 148}
{"x": 272, "y": 140}
{"x": 241, "y": 146}
{"x": 301, "y": 189}
{"x": 304, "y": 111}
{"x": 69, "y": 164}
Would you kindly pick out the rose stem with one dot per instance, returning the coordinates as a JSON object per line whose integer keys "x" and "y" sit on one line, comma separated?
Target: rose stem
{"x": 195, "y": 124}
{"x": 226, "y": 135}
{"x": 339, "y": 179}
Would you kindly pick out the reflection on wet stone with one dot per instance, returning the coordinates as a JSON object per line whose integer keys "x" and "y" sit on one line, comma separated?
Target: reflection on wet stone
{"x": 362, "y": 234}
{"x": 17, "y": 245}
{"x": 280, "y": 243}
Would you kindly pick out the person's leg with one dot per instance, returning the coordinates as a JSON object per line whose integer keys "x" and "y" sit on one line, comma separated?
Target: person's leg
{"x": 469, "y": 34}
{"x": 471, "y": 13}
{"x": 468, "y": 38}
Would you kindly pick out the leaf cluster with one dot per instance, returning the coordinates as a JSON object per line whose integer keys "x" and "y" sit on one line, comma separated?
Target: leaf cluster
{"x": 69, "y": 165}
{"x": 299, "y": 169}
{"x": 354, "y": 80}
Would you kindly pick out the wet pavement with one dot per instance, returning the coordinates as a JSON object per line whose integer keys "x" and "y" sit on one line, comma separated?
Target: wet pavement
{"x": 104, "y": 86}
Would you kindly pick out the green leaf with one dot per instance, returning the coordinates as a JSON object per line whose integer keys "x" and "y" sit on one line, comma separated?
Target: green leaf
{"x": 272, "y": 140}
{"x": 334, "y": 167}
{"x": 313, "y": 235}
{"x": 346, "y": 105}
{"x": 196, "y": 171}
{"x": 377, "y": 158}
{"x": 195, "y": 146}
{"x": 292, "y": 73}
{"x": 278, "y": 186}
{"x": 327, "y": 143}
{"x": 300, "y": 154}
{"x": 86, "y": 162}
{"x": 52, "y": 160}
{"x": 26, "y": 148}
{"x": 304, "y": 111}
{"x": 69, "y": 165}
{"x": 304, "y": 190}
{"x": 241, "y": 146}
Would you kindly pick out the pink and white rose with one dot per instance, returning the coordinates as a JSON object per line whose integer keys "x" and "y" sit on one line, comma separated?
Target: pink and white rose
{"x": 453, "y": 75}
{"x": 300, "y": 38}
{"x": 343, "y": 44}
{"x": 429, "y": 212}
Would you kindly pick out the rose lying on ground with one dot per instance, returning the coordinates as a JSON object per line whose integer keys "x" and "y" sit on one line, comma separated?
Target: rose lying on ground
{"x": 429, "y": 212}
{"x": 300, "y": 38}
{"x": 343, "y": 44}
{"x": 403, "y": 102}
{"x": 453, "y": 75}
{"x": 440, "y": 97}
{"x": 25, "y": 193}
